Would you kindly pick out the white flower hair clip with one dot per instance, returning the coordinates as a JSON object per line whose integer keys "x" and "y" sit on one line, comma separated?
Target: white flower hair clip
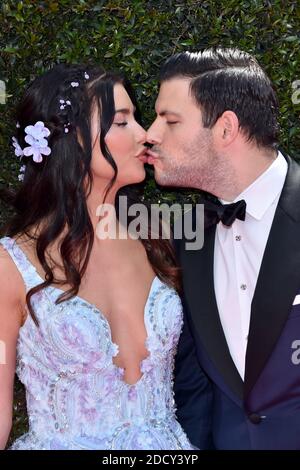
{"x": 66, "y": 128}
{"x": 21, "y": 174}
{"x": 18, "y": 150}
{"x": 36, "y": 137}
{"x": 38, "y": 144}
{"x": 64, "y": 103}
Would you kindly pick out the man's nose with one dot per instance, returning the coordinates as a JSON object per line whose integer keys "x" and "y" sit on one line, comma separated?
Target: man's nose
{"x": 153, "y": 134}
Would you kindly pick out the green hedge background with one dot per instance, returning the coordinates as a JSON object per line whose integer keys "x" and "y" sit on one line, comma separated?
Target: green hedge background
{"x": 137, "y": 36}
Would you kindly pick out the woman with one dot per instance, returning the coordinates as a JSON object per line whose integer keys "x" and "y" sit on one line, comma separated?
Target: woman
{"x": 96, "y": 353}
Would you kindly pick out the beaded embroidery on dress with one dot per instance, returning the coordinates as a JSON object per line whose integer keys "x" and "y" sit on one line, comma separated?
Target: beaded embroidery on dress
{"x": 76, "y": 396}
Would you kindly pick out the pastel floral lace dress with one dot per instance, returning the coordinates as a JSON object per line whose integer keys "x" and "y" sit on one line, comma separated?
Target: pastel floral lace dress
{"x": 76, "y": 396}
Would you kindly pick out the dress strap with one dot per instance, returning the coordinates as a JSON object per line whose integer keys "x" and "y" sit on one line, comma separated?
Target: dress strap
{"x": 26, "y": 269}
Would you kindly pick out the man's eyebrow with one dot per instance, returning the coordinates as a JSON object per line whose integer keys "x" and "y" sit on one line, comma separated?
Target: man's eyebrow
{"x": 168, "y": 111}
{"x": 126, "y": 110}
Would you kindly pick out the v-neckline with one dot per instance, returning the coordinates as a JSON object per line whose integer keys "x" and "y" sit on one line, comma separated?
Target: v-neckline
{"x": 114, "y": 345}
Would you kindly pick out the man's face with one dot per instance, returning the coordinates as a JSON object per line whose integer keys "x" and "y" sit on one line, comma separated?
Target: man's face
{"x": 183, "y": 151}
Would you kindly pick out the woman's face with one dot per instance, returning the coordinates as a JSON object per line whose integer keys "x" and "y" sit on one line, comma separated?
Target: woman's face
{"x": 125, "y": 142}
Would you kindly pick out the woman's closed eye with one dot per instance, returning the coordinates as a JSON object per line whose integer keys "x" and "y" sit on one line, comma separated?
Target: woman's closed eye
{"x": 120, "y": 124}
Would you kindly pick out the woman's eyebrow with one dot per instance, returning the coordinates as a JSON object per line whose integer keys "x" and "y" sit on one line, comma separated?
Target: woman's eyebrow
{"x": 126, "y": 110}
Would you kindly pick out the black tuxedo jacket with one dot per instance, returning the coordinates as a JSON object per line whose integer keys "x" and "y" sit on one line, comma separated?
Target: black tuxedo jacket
{"x": 214, "y": 405}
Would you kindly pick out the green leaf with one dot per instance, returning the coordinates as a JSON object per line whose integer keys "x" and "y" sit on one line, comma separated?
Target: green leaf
{"x": 129, "y": 51}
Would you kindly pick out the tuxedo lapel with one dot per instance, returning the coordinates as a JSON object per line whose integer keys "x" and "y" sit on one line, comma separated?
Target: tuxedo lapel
{"x": 278, "y": 280}
{"x": 200, "y": 299}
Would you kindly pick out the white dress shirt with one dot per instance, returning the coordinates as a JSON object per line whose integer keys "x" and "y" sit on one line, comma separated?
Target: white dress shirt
{"x": 238, "y": 255}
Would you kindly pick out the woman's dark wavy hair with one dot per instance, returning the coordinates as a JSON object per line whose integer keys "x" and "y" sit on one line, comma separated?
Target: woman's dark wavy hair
{"x": 54, "y": 192}
{"x": 229, "y": 79}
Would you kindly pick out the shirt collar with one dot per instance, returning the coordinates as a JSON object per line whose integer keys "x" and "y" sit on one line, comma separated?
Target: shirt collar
{"x": 260, "y": 195}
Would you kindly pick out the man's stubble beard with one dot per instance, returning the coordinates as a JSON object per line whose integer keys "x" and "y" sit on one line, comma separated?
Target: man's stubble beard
{"x": 200, "y": 166}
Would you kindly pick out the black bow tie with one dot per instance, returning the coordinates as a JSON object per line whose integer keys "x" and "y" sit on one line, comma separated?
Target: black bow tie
{"x": 226, "y": 213}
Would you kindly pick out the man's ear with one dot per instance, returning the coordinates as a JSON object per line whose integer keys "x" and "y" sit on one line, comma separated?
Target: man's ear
{"x": 227, "y": 128}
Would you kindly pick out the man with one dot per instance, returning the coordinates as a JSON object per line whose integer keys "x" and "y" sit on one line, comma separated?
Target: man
{"x": 237, "y": 382}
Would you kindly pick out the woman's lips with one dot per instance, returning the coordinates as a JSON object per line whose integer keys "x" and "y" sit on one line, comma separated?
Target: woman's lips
{"x": 143, "y": 158}
{"x": 151, "y": 156}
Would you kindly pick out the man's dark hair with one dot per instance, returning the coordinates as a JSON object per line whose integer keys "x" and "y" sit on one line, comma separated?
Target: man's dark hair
{"x": 229, "y": 79}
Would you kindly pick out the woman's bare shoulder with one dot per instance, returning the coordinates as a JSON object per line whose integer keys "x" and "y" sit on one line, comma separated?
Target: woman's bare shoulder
{"x": 11, "y": 281}
{"x": 4, "y": 256}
